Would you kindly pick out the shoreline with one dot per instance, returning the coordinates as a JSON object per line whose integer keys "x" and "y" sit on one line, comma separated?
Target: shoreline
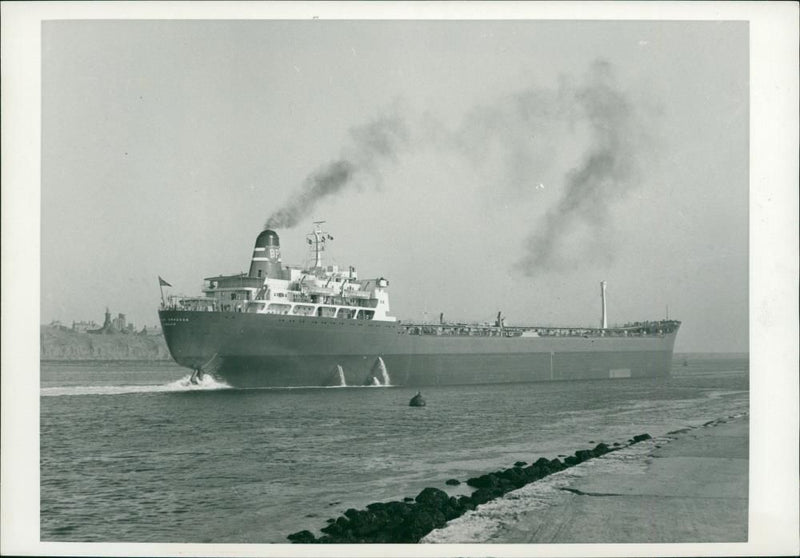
{"x": 412, "y": 519}
{"x": 689, "y": 485}
{"x": 59, "y": 343}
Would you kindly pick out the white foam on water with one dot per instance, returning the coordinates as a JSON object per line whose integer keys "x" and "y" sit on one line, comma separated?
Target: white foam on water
{"x": 281, "y": 388}
{"x": 385, "y": 373}
{"x": 380, "y": 366}
{"x": 714, "y": 394}
{"x": 208, "y": 383}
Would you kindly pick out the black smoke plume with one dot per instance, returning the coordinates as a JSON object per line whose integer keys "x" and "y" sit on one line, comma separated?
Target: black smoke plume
{"x": 530, "y": 130}
{"x": 578, "y": 227}
{"x": 370, "y": 145}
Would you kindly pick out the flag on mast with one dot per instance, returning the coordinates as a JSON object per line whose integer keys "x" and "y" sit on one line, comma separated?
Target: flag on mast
{"x": 161, "y": 285}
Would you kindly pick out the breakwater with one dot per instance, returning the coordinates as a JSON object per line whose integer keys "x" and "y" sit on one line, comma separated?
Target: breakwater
{"x": 60, "y": 343}
{"x": 410, "y": 520}
{"x": 687, "y": 485}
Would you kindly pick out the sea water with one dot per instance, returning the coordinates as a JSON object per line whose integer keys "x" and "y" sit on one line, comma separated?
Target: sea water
{"x": 134, "y": 452}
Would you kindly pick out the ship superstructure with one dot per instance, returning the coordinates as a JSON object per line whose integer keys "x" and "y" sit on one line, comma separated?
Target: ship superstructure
{"x": 306, "y": 326}
{"x": 319, "y": 290}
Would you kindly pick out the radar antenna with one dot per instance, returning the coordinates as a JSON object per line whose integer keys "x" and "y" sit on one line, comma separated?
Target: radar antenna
{"x": 317, "y": 240}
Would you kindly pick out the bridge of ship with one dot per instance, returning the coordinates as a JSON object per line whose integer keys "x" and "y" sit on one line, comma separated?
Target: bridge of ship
{"x": 288, "y": 303}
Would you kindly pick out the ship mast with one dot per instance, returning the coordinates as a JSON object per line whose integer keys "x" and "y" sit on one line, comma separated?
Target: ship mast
{"x": 317, "y": 239}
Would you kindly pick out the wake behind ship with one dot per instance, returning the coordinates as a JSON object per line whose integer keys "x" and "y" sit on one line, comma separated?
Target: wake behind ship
{"x": 284, "y": 326}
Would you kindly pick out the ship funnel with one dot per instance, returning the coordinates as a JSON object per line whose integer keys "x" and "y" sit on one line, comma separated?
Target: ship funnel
{"x": 604, "y": 317}
{"x": 266, "y": 260}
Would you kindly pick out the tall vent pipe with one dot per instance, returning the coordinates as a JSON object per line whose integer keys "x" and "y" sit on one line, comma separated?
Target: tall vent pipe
{"x": 604, "y": 317}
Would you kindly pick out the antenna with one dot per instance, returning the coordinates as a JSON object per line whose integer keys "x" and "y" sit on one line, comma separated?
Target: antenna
{"x": 317, "y": 239}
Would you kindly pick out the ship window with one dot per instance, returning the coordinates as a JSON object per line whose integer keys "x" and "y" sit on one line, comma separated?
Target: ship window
{"x": 346, "y": 313}
{"x": 233, "y": 296}
{"x": 259, "y": 273}
{"x": 303, "y": 310}
{"x": 326, "y": 312}
{"x": 275, "y": 308}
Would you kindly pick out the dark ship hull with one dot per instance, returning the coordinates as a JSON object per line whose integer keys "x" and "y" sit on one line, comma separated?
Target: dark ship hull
{"x": 262, "y": 350}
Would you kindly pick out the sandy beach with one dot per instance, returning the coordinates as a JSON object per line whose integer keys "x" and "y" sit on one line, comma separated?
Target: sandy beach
{"x": 688, "y": 486}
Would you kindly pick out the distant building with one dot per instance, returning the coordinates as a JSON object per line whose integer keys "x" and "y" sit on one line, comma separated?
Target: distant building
{"x": 119, "y": 322}
{"x": 83, "y": 327}
{"x": 115, "y": 325}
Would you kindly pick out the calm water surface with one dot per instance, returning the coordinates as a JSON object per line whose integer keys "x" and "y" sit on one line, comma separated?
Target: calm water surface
{"x": 133, "y": 452}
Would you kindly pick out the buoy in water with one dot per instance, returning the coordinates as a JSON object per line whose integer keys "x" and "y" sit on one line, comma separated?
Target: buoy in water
{"x": 417, "y": 401}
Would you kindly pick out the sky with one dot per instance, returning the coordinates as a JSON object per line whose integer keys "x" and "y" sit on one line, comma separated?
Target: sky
{"x": 480, "y": 166}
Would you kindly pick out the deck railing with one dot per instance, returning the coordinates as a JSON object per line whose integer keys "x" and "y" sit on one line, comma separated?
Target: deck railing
{"x": 638, "y": 329}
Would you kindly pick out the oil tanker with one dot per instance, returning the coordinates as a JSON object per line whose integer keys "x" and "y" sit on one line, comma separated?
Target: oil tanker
{"x": 318, "y": 325}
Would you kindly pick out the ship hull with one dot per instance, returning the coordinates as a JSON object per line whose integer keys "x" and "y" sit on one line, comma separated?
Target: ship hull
{"x": 258, "y": 350}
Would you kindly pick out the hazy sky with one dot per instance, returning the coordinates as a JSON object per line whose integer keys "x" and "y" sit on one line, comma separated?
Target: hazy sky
{"x": 505, "y": 165}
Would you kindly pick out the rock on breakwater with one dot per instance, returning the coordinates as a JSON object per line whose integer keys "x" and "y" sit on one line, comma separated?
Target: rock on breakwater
{"x": 409, "y": 521}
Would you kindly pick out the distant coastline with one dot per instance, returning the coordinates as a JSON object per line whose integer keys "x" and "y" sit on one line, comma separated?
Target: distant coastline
{"x": 62, "y": 343}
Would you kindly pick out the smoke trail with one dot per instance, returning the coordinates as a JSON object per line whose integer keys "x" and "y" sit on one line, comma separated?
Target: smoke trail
{"x": 523, "y": 132}
{"x": 371, "y": 145}
{"x": 323, "y": 182}
{"x": 578, "y": 228}
{"x": 585, "y": 134}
